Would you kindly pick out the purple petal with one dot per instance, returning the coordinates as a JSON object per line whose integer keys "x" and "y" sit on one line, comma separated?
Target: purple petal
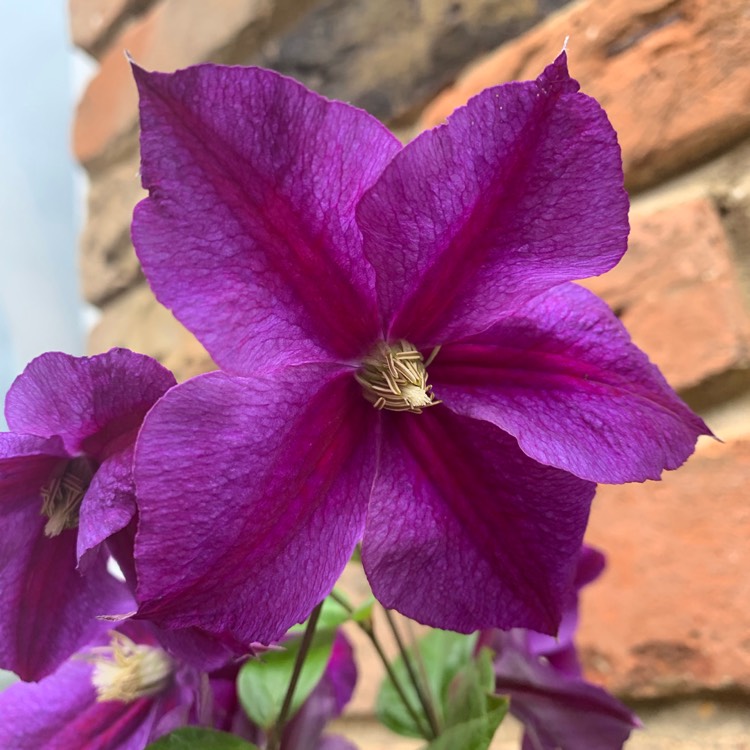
{"x": 48, "y": 610}
{"x": 560, "y": 650}
{"x": 519, "y": 191}
{"x": 465, "y": 532}
{"x": 93, "y": 403}
{"x": 562, "y": 376}
{"x": 109, "y": 503}
{"x": 248, "y": 234}
{"x": 591, "y": 564}
{"x": 341, "y": 673}
{"x": 558, "y": 712}
{"x": 196, "y": 648}
{"x": 62, "y": 713}
{"x": 241, "y": 481}
{"x": 26, "y": 463}
{"x": 326, "y": 702}
{"x": 189, "y": 645}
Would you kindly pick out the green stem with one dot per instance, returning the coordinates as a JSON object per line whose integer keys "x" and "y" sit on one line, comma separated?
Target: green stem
{"x": 274, "y": 741}
{"x": 369, "y": 631}
{"x": 421, "y": 689}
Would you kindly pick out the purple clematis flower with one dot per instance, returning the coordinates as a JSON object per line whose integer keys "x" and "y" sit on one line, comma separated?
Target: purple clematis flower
{"x": 548, "y": 694}
{"x": 327, "y": 269}
{"x": 66, "y": 485}
{"x": 120, "y": 692}
{"x": 124, "y": 690}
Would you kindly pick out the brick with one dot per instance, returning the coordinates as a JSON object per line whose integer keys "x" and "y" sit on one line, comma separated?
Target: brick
{"x": 678, "y": 293}
{"x": 672, "y": 75}
{"x": 392, "y": 56}
{"x": 137, "y": 321}
{"x": 173, "y": 34}
{"x": 93, "y": 23}
{"x": 670, "y": 614}
{"x": 107, "y": 259}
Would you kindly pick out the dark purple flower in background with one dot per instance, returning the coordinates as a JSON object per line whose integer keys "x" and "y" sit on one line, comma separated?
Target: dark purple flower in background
{"x": 326, "y": 702}
{"x": 66, "y": 485}
{"x": 120, "y": 692}
{"x": 124, "y": 690}
{"x": 324, "y": 267}
{"x": 548, "y": 694}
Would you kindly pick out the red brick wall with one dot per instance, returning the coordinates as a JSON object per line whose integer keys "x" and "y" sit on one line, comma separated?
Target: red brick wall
{"x": 672, "y": 614}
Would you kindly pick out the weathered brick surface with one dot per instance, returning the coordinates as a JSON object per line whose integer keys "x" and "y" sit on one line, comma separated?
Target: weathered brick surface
{"x": 137, "y": 321}
{"x": 672, "y": 75}
{"x": 173, "y": 34}
{"x": 679, "y": 294}
{"x": 392, "y": 56}
{"x": 93, "y": 23}
{"x": 108, "y": 262}
{"x": 345, "y": 48}
{"x": 671, "y": 614}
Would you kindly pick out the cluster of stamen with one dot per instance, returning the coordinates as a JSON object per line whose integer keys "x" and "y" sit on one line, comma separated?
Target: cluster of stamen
{"x": 125, "y": 670}
{"x": 394, "y": 377}
{"x": 63, "y": 493}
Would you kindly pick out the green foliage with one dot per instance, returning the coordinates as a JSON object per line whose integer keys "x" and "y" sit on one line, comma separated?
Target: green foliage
{"x": 476, "y": 733}
{"x": 460, "y": 686}
{"x": 441, "y": 656}
{"x": 195, "y": 738}
{"x": 263, "y": 682}
{"x": 472, "y": 712}
{"x": 332, "y": 615}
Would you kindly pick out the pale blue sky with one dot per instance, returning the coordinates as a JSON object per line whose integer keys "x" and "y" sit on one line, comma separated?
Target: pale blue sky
{"x": 40, "y": 306}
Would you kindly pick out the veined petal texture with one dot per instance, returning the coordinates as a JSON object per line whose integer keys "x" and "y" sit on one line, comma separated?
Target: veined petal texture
{"x": 560, "y": 712}
{"x": 26, "y": 462}
{"x": 62, "y": 713}
{"x": 464, "y": 531}
{"x": 93, "y": 403}
{"x": 248, "y": 233}
{"x": 561, "y": 374}
{"x": 49, "y": 609}
{"x": 520, "y": 190}
{"x": 252, "y": 494}
{"x": 109, "y": 503}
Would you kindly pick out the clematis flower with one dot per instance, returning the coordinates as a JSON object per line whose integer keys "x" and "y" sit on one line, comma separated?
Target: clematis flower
{"x": 66, "y": 485}
{"x": 548, "y": 694}
{"x": 330, "y": 272}
{"x": 120, "y": 692}
{"x": 124, "y": 690}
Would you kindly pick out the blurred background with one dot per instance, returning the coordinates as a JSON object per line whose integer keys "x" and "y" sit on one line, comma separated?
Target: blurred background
{"x": 40, "y": 306}
{"x": 668, "y": 626}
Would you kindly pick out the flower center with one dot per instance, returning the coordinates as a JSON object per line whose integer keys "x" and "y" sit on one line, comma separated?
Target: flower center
{"x": 125, "y": 670}
{"x": 62, "y": 495}
{"x": 394, "y": 377}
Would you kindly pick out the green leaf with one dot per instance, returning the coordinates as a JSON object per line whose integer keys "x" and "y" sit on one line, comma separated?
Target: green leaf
{"x": 364, "y": 611}
{"x": 476, "y": 733}
{"x": 442, "y": 655}
{"x": 332, "y": 615}
{"x": 469, "y": 690}
{"x": 195, "y": 738}
{"x": 262, "y": 683}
